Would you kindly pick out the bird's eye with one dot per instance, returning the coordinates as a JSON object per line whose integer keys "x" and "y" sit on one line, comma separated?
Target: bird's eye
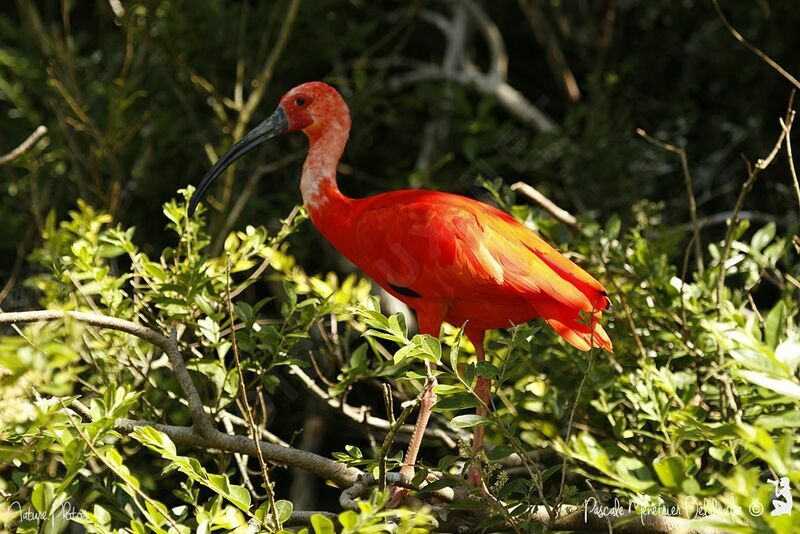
{"x": 300, "y": 101}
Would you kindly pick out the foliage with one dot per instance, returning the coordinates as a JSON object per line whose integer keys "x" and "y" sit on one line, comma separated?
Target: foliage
{"x": 696, "y": 409}
{"x": 670, "y": 436}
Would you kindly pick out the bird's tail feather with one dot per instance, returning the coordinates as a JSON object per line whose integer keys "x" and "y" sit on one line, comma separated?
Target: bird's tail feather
{"x": 583, "y": 332}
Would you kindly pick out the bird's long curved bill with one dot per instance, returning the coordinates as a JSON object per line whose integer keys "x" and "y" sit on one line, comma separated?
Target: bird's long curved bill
{"x": 275, "y": 125}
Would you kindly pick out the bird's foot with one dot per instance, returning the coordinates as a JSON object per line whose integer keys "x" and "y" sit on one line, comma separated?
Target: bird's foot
{"x": 398, "y": 494}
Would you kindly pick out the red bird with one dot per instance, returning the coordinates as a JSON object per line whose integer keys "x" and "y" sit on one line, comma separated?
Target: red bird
{"x": 448, "y": 257}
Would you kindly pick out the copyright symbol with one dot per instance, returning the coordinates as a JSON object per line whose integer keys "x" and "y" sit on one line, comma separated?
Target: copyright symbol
{"x": 756, "y": 509}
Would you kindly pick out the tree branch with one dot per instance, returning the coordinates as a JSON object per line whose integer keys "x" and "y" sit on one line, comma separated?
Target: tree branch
{"x": 548, "y": 205}
{"x": 738, "y": 36}
{"x": 357, "y": 415}
{"x": 25, "y": 146}
{"x": 553, "y": 53}
{"x": 202, "y": 433}
{"x": 752, "y": 173}
{"x": 492, "y": 82}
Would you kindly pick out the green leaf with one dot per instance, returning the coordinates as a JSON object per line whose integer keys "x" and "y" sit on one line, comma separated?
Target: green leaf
{"x": 784, "y": 419}
{"x": 348, "y": 519}
{"x": 454, "y": 350}
{"x": 448, "y": 389}
{"x": 240, "y": 496}
{"x": 763, "y": 236}
{"x": 469, "y": 421}
{"x": 42, "y": 496}
{"x": 321, "y": 524}
{"x": 670, "y": 471}
{"x": 487, "y": 370}
{"x": 284, "y": 509}
{"x": 613, "y": 226}
{"x": 781, "y": 386}
{"x": 498, "y": 453}
{"x": 788, "y": 353}
{"x": 775, "y": 324}
{"x": 433, "y": 347}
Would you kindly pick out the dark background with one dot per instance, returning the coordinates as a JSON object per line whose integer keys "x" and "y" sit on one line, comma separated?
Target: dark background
{"x": 136, "y": 122}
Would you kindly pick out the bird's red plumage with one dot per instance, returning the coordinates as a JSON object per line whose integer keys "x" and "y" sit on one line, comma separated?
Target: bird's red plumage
{"x": 476, "y": 263}
{"x": 448, "y": 257}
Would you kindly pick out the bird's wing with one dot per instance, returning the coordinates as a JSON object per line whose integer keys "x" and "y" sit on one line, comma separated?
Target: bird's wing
{"x": 447, "y": 246}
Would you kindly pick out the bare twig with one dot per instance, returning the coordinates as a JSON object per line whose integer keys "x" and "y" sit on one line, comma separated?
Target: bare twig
{"x": 629, "y": 317}
{"x": 790, "y": 159}
{"x": 548, "y": 205}
{"x": 260, "y": 83}
{"x": 357, "y": 415}
{"x": 248, "y": 412}
{"x": 596, "y": 496}
{"x": 241, "y": 463}
{"x": 493, "y": 81}
{"x": 25, "y": 146}
{"x": 738, "y": 36}
{"x": 553, "y": 53}
{"x": 687, "y": 180}
{"x": 568, "y": 434}
{"x": 752, "y": 173}
{"x": 387, "y": 442}
{"x": 685, "y": 271}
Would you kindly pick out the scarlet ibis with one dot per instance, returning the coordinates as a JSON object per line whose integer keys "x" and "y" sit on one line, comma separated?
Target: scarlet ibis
{"x": 448, "y": 257}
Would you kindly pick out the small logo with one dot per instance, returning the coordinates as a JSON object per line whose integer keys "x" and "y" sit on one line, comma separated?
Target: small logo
{"x": 782, "y": 503}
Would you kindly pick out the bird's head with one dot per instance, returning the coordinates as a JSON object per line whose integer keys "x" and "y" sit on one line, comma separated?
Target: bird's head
{"x": 313, "y": 108}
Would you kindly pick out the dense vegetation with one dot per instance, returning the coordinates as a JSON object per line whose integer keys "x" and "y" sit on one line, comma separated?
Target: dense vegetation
{"x": 691, "y": 224}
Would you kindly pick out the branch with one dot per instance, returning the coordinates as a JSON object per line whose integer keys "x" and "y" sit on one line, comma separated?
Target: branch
{"x": 302, "y": 518}
{"x": 365, "y": 481}
{"x": 548, "y": 205}
{"x": 555, "y": 56}
{"x": 25, "y": 146}
{"x": 493, "y": 82}
{"x": 752, "y": 173}
{"x": 248, "y": 412}
{"x": 581, "y": 518}
{"x": 202, "y": 433}
{"x": 687, "y": 180}
{"x": 357, "y": 415}
{"x": 738, "y": 36}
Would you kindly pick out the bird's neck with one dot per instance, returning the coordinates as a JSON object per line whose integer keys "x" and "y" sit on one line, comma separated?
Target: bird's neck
{"x": 330, "y": 210}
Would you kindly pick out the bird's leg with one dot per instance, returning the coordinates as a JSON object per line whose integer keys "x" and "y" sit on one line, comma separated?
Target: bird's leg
{"x": 426, "y": 402}
{"x": 427, "y": 399}
{"x": 483, "y": 390}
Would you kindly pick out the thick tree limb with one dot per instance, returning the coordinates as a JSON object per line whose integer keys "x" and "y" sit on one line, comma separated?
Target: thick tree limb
{"x": 202, "y": 433}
